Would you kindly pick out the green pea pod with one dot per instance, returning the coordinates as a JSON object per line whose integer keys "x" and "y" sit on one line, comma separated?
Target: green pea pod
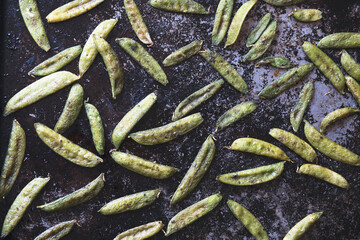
{"x": 350, "y": 65}
{"x": 71, "y": 110}
{"x": 326, "y": 65}
{"x": 183, "y": 53}
{"x": 340, "y": 40}
{"x": 238, "y": 21}
{"x": 96, "y": 127}
{"x": 13, "y": 160}
{"x": 192, "y": 213}
{"x": 31, "y": 15}
{"x": 65, "y": 148}
{"x": 251, "y": 223}
{"x": 195, "y": 99}
{"x": 130, "y": 202}
{"x": 258, "y": 30}
{"x": 21, "y": 204}
{"x": 56, "y": 62}
{"x": 286, "y": 81}
{"x": 297, "y": 113}
{"x": 252, "y": 176}
{"x": 234, "y": 114}
{"x": 302, "y": 227}
{"x": 112, "y": 64}
{"x": 58, "y": 231}
{"x": 168, "y": 132}
{"x": 196, "y": 171}
{"x": 328, "y": 147}
{"x": 306, "y": 15}
{"x": 336, "y": 115}
{"x": 181, "y": 6}
{"x": 354, "y": 88}
{"x": 222, "y": 20}
{"x": 39, "y": 89}
{"x": 278, "y": 62}
{"x": 225, "y": 69}
{"x": 76, "y": 198}
{"x": 264, "y": 42}
{"x": 140, "y": 55}
{"x": 141, "y": 232}
{"x": 142, "y": 166}
{"x": 281, "y": 3}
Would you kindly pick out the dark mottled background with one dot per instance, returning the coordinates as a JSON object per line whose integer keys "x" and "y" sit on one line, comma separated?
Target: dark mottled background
{"x": 278, "y": 204}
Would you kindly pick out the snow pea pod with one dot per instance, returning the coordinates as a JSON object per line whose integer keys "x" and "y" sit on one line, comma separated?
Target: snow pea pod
{"x": 251, "y": 223}
{"x": 252, "y": 176}
{"x": 58, "y": 231}
{"x": 225, "y": 69}
{"x": 142, "y": 166}
{"x": 141, "y": 232}
{"x": 130, "y": 202}
{"x": 56, "y": 62}
{"x": 301, "y": 227}
{"x": 323, "y": 173}
{"x": 306, "y": 15}
{"x": 196, "y": 171}
{"x": 181, "y": 6}
{"x": 21, "y": 203}
{"x": 222, "y": 20}
{"x": 39, "y": 89}
{"x": 131, "y": 118}
{"x": 340, "y": 40}
{"x": 140, "y": 55}
{"x": 168, "y": 132}
{"x": 65, "y": 148}
{"x": 71, "y": 109}
{"x": 71, "y": 10}
{"x": 31, "y": 15}
{"x": 76, "y": 198}
{"x": 354, "y": 88}
{"x": 281, "y": 3}
{"x": 337, "y": 115}
{"x": 258, "y": 30}
{"x": 13, "y": 160}
{"x": 278, "y": 62}
{"x": 328, "y": 147}
{"x": 183, "y": 53}
{"x": 326, "y": 65}
{"x": 238, "y": 21}
{"x": 197, "y": 98}
{"x": 192, "y": 213}
{"x": 96, "y": 127}
{"x": 285, "y": 81}
{"x": 350, "y": 65}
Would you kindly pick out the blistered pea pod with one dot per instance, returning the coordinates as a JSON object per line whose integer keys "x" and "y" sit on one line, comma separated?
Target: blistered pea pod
{"x": 336, "y": 115}
{"x": 278, "y": 62}
{"x": 281, "y": 3}
{"x": 96, "y": 127}
{"x": 354, "y": 88}
{"x": 222, "y": 20}
{"x": 302, "y": 227}
{"x": 183, "y": 53}
{"x": 260, "y": 27}
{"x": 181, "y": 6}
{"x": 141, "y": 232}
{"x": 58, "y": 231}
{"x": 306, "y": 15}
{"x": 350, "y": 65}
{"x": 340, "y": 40}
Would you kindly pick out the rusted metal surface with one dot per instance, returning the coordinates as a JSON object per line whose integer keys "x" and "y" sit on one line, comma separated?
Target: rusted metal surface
{"x": 278, "y": 204}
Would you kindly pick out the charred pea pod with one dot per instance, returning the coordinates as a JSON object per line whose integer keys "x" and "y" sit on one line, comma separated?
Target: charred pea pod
{"x": 340, "y": 40}
{"x": 354, "y": 88}
{"x": 181, "y": 6}
{"x": 302, "y": 227}
{"x": 58, "y": 231}
{"x": 141, "y": 232}
{"x": 350, "y": 65}
{"x": 281, "y": 3}
{"x": 222, "y": 20}
{"x": 278, "y": 62}
{"x": 258, "y": 30}
{"x": 306, "y": 15}
{"x": 96, "y": 127}
{"x": 183, "y": 53}
{"x": 337, "y": 115}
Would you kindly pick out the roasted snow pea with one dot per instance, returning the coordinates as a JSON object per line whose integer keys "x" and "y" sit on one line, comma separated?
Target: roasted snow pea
{"x": 326, "y": 65}
{"x": 169, "y": 131}
{"x": 337, "y": 115}
{"x": 297, "y": 113}
{"x": 340, "y": 40}
{"x": 142, "y": 166}
{"x": 258, "y": 30}
{"x": 77, "y": 197}
{"x": 71, "y": 109}
{"x": 259, "y": 147}
{"x": 354, "y": 88}
{"x": 13, "y": 160}
{"x": 278, "y": 62}
{"x": 71, "y": 10}
{"x": 281, "y": 3}
{"x": 328, "y": 147}
{"x": 96, "y": 127}
{"x": 89, "y": 51}
{"x": 181, "y": 6}
{"x": 251, "y": 223}
{"x": 58, "y": 231}
{"x": 238, "y": 21}
{"x": 252, "y": 176}
{"x": 56, "y": 62}
{"x": 264, "y": 42}
{"x": 299, "y": 146}
{"x": 222, "y": 20}
{"x": 131, "y": 118}
{"x": 137, "y": 22}
{"x": 285, "y": 81}
{"x": 196, "y": 171}
{"x": 21, "y": 203}
{"x": 306, "y": 15}
{"x": 65, "y": 148}
{"x": 130, "y": 202}
{"x": 192, "y": 213}
{"x": 350, "y": 65}
{"x": 141, "y": 232}
{"x": 234, "y": 114}
{"x": 112, "y": 64}
{"x": 195, "y": 99}
{"x": 39, "y": 89}
{"x": 225, "y": 69}
{"x": 183, "y": 53}
{"x": 301, "y": 227}
{"x": 323, "y": 173}
{"x": 140, "y": 55}
{"x": 31, "y": 15}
